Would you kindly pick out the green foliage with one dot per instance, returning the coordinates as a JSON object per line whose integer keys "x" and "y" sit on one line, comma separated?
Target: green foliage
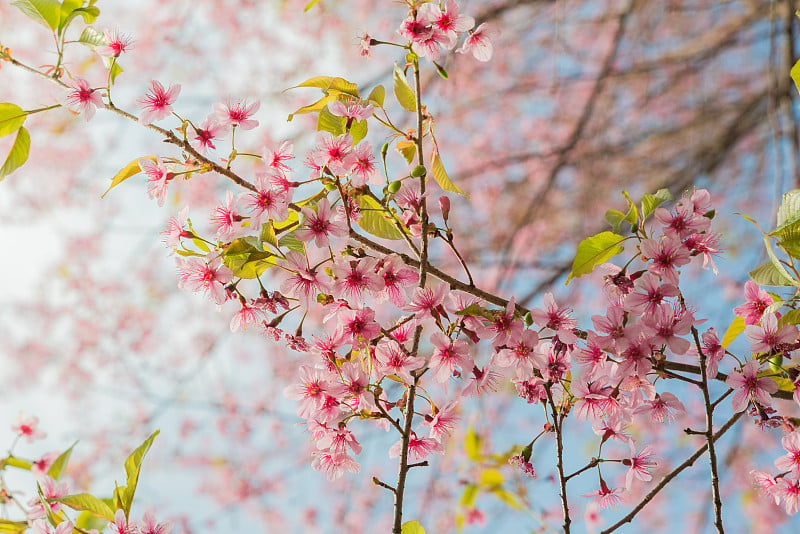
{"x": 332, "y": 88}
{"x": 18, "y": 155}
{"x": 402, "y": 91}
{"x": 45, "y": 12}
{"x": 12, "y": 117}
{"x": 472, "y": 445}
{"x": 88, "y": 503}
{"x": 412, "y": 527}
{"x": 92, "y": 37}
{"x": 12, "y": 527}
{"x": 776, "y": 262}
{"x": 407, "y": 148}
{"x": 795, "y": 74}
{"x": 73, "y": 8}
{"x": 60, "y": 463}
{"x": 441, "y": 177}
{"x": 131, "y": 169}
{"x": 736, "y": 327}
{"x": 375, "y": 220}
{"x": 593, "y": 251}
{"x": 377, "y": 95}
{"x": 767, "y": 274}
{"x": 246, "y": 258}
{"x": 133, "y": 465}
{"x": 652, "y": 201}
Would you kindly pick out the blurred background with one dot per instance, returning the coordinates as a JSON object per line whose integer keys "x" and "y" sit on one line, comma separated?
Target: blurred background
{"x": 581, "y": 100}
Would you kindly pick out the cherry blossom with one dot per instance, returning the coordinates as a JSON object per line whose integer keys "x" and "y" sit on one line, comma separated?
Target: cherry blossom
{"x": 747, "y": 385}
{"x": 81, "y": 98}
{"x": 479, "y": 42}
{"x": 235, "y": 114}
{"x": 157, "y": 103}
{"x": 28, "y": 428}
{"x": 116, "y": 44}
{"x": 791, "y": 460}
{"x": 768, "y": 336}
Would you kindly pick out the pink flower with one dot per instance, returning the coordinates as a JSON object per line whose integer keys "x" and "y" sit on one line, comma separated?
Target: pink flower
{"x": 310, "y": 390}
{"x": 273, "y": 160}
{"x": 747, "y": 385}
{"x": 338, "y": 441}
{"x": 334, "y": 465}
{"x": 427, "y": 301}
{"x": 768, "y": 336}
{"x": 449, "y": 21}
{"x": 479, "y": 42}
{"x": 157, "y": 178}
{"x": 150, "y": 526}
{"x": 266, "y": 203}
{"x": 157, "y": 103}
{"x": 50, "y": 490}
{"x": 789, "y": 491}
{"x": 392, "y": 359}
{"x": 765, "y": 484}
{"x": 117, "y": 44}
{"x": 791, "y": 460}
{"x": 396, "y": 276}
{"x": 205, "y": 135}
{"x": 666, "y": 255}
{"x": 40, "y": 467}
{"x": 648, "y": 294}
{"x": 556, "y": 318}
{"x": 236, "y": 114}
{"x": 359, "y": 324}
{"x": 81, "y": 98}
{"x": 331, "y": 153}
{"x": 27, "y": 427}
{"x": 443, "y": 422}
{"x": 352, "y": 390}
{"x": 448, "y": 357}
{"x": 175, "y": 230}
{"x": 663, "y": 408}
{"x": 207, "y": 275}
{"x": 606, "y": 497}
{"x": 713, "y": 351}
{"x": 418, "y": 448}
{"x": 519, "y": 352}
{"x": 247, "y": 315}
{"x": 363, "y": 165}
{"x": 354, "y": 277}
{"x": 319, "y": 225}
{"x": 41, "y": 526}
{"x": 640, "y": 465}
{"x": 226, "y": 220}
{"x": 121, "y": 524}
{"x": 757, "y": 301}
{"x": 303, "y": 282}
{"x": 352, "y": 109}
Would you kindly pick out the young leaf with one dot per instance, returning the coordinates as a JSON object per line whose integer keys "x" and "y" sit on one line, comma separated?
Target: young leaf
{"x": 789, "y": 209}
{"x": 767, "y": 274}
{"x": 45, "y": 12}
{"x": 311, "y": 4}
{"x": 131, "y": 169}
{"x": 89, "y": 503}
{"x": 18, "y": 155}
{"x": 790, "y": 317}
{"x": 469, "y": 496}
{"x": 412, "y": 527}
{"x": 12, "y": 117}
{"x": 491, "y": 478}
{"x": 651, "y": 202}
{"x": 358, "y": 131}
{"x": 116, "y": 70}
{"x": 778, "y": 265}
{"x": 268, "y": 234}
{"x": 65, "y": 13}
{"x": 615, "y": 218}
{"x": 60, "y": 463}
{"x": 403, "y": 91}
{"x": 472, "y": 445}
{"x": 329, "y": 122}
{"x": 441, "y": 177}
{"x": 13, "y": 527}
{"x": 133, "y": 464}
{"x": 593, "y": 251}
{"x": 377, "y": 95}
{"x": 407, "y": 148}
{"x": 311, "y": 108}
{"x": 736, "y": 327}
{"x": 92, "y": 37}
{"x": 330, "y": 85}
{"x": 375, "y": 221}
{"x": 795, "y": 74}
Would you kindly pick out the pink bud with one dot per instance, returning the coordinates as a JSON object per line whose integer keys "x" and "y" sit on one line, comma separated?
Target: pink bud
{"x": 444, "y": 205}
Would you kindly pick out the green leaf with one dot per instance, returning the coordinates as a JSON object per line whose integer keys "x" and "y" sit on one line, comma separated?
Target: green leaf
{"x": 60, "y": 463}
{"x": 403, "y": 91}
{"x": 133, "y": 464}
{"x": 268, "y": 234}
{"x": 329, "y": 122}
{"x": 131, "y": 169}
{"x": 778, "y": 265}
{"x": 311, "y": 108}
{"x": 593, "y": 251}
{"x": 292, "y": 243}
{"x": 469, "y": 496}
{"x": 767, "y": 274}
{"x": 615, "y": 218}
{"x": 18, "y": 155}
{"x": 375, "y": 220}
{"x": 246, "y": 258}
{"x": 407, "y": 148}
{"x": 440, "y": 70}
{"x": 790, "y": 317}
{"x": 66, "y": 13}
{"x": 491, "y": 478}
{"x": 377, "y": 95}
{"x": 358, "y": 130}
{"x": 92, "y": 37}
{"x": 116, "y": 70}
{"x": 311, "y": 4}
{"x": 330, "y": 85}
{"x": 12, "y": 117}
{"x": 88, "y": 521}
{"x": 45, "y": 12}
{"x": 795, "y": 74}
{"x": 441, "y": 177}
{"x": 472, "y": 445}
{"x": 412, "y": 527}
{"x": 789, "y": 209}
{"x": 87, "y": 502}
{"x": 12, "y": 527}
{"x": 736, "y": 327}
{"x": 651, "y": 201}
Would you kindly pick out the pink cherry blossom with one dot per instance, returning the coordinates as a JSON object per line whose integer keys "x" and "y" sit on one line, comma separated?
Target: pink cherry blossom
{"x": 789, "y": 492}
{"x": 666, "y": 255}
{"x": 448, "y": 357}
{"x": 640, "y": 465}
{"x": 226, "y": 219}
{"x": 273, "y": 159}
{"x": 334, "y": 465}
{"x": 81, "y": 98}
{"x": 519, "y": 353}
{"x": 352, "y": 109}
{"x": 157, "y": 103}
{"x": 663, "y": 408}
{"x": 757, "y": 301}
{"x": 157, "y": 179}
{"x": 768, "y": 336}
{"x": 50, "y": 490}
{"x": 359, "y": 324}
{"x": 450, "y": 21}
{"x": 427, "y": 301}
{"x": 266, "y": 203}
{"x": 303, "y": 282}
{"x": 116, "y": 44}
{"x": 747, "y": 385}
{"x": 237, "y": 113}
{"x": 355, "y": 277}
{"x": 331, "y": 153}
{"x": 319, "y": 225}
{"x": 28, "y": 428}
{"x": 121, "y": 524}
{"x": 205, "y": 136}
{"x": 479, "y": 42}
{"x": 150, "y": 526}
{"x": 392, "y": 359}
{"x": 176, "y": 229}
{"x": 396, "y": 276}
{"x": 443, "y": 422}
{"x": 41, "y": 526}
{"x": 418, "y": 448}
{"x": 309, "y": 390}
{"x": 606, "y": 497}
{"x": 363, "y": 166}
{"x": 205, "y": 274}
{"x": 791, "y": 460}
{"x": 556, "y": 318}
